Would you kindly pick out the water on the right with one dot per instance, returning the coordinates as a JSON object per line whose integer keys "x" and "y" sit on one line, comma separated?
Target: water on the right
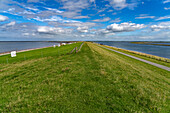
{"x": 158, "y": 50}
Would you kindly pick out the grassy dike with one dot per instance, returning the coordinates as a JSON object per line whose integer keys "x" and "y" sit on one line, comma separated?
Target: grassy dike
{"x": 93, "y": 80}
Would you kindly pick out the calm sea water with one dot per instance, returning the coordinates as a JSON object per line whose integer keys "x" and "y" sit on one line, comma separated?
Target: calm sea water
{"x": 162, "y": 51}
{"x": 10, "y": 46}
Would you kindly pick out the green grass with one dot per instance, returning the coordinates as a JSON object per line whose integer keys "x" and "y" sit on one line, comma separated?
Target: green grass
{"x": 93, "y": 80}
{"x": 38, "y": 53}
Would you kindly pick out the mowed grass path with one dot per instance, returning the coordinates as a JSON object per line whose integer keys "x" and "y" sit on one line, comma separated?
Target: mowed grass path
{"x": 93, "y": 80}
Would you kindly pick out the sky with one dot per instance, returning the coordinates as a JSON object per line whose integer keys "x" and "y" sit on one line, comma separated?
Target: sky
{"x": 85, "y": 20}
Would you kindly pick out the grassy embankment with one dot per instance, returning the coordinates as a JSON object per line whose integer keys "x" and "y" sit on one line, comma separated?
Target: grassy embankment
{"x": 152, "y": 58}
{"x": 38, "y": 53}
{"x": 93, "y": 80}
{"x": 151, "y": 43}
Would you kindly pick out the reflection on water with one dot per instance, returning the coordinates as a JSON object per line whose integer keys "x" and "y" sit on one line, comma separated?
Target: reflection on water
{"x": 10, "y": 46}
{"x": 162, "y": 51}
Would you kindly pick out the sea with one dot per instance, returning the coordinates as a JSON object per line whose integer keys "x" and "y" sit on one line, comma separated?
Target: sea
{"x": 162, "y": 51}
{"x": 13, "y": 46}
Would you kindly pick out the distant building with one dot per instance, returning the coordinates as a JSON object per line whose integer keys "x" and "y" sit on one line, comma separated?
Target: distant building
{"x": 63, "y": 43}
{"x": 59, "y": 45}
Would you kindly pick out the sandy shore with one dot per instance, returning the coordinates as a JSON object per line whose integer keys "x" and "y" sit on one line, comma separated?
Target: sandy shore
{"x": 6, "y": 53}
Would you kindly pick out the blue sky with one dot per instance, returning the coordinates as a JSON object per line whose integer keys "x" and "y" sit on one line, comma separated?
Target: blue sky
{"x": 114, "y": 20}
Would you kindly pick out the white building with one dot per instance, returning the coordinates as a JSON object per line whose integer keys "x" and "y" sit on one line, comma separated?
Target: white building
{"x": 63, "y": 43}
{"x": 58, "y": 45}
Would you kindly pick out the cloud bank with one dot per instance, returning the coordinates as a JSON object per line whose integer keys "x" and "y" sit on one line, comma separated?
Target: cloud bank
{"x": 124, "y": 27}
{"x": 3, "y": 18}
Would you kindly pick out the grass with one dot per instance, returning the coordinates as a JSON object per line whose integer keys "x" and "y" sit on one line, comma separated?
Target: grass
{"x": 38, "y": 53}
{"x": 152, "y": 58}
{"x": 93, "y": 80}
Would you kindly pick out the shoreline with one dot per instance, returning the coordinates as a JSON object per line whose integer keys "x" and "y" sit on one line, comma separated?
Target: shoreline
{"x": 167, "y": 60}
{"x": 143, "y": 54}
{"x": 133, "y": 51}
{"x": 24, "y": 50}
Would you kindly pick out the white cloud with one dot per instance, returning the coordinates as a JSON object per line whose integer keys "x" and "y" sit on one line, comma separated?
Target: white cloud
{"x": 110, "y": 34}
{"x": 115, "y": 20}
{"x": 114, "y": 13}
{"x": 162, "y": 25}
{"x": 79, "y": 24}
{"x": 103, "y": 31}
{"x": 159, "y": 27}
{"x": 121, "y": 4}
{"x": 11, "y": 9}
{"x": 83, "y": 29}
{"x": 24, "y": 25}
{"x": 167, "y": 8}
{"x": 3, "y": 18}
{"x": 164, "y": 17}
{"x": 54, "y": 19}
{"x": 164, "y": 35}
{"x": 102, "y": 15}
{"x": 118, "y": 4}
{"x": 11, "y": 24}
{"x": 33, "y": 1}
{"x": 56, "y": 10}
{"x": 110, "y": 11}
{"x": 46, "y": 29}
{"x": 8, "y": 26}
{"x": 80, "y": 17}
{"x": 102, "y": 20}
{"x": 82, "y": 35}
{"x": 166, "y": 1}
{"x": 92, "y": 1}
{"x": 124, "y": 27}
{"x": 69, "y": 14}
{"x": 53, "y": 30}
{"x": 75, "y": 5}
{"x": 32, "y": 9}
{"x": 101, "y": 10}
{"x": 144, "y": 16}
{"x": 27, "y": 12}
{"x": 17, "y": 8}
{"x": 26, "y": 34}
